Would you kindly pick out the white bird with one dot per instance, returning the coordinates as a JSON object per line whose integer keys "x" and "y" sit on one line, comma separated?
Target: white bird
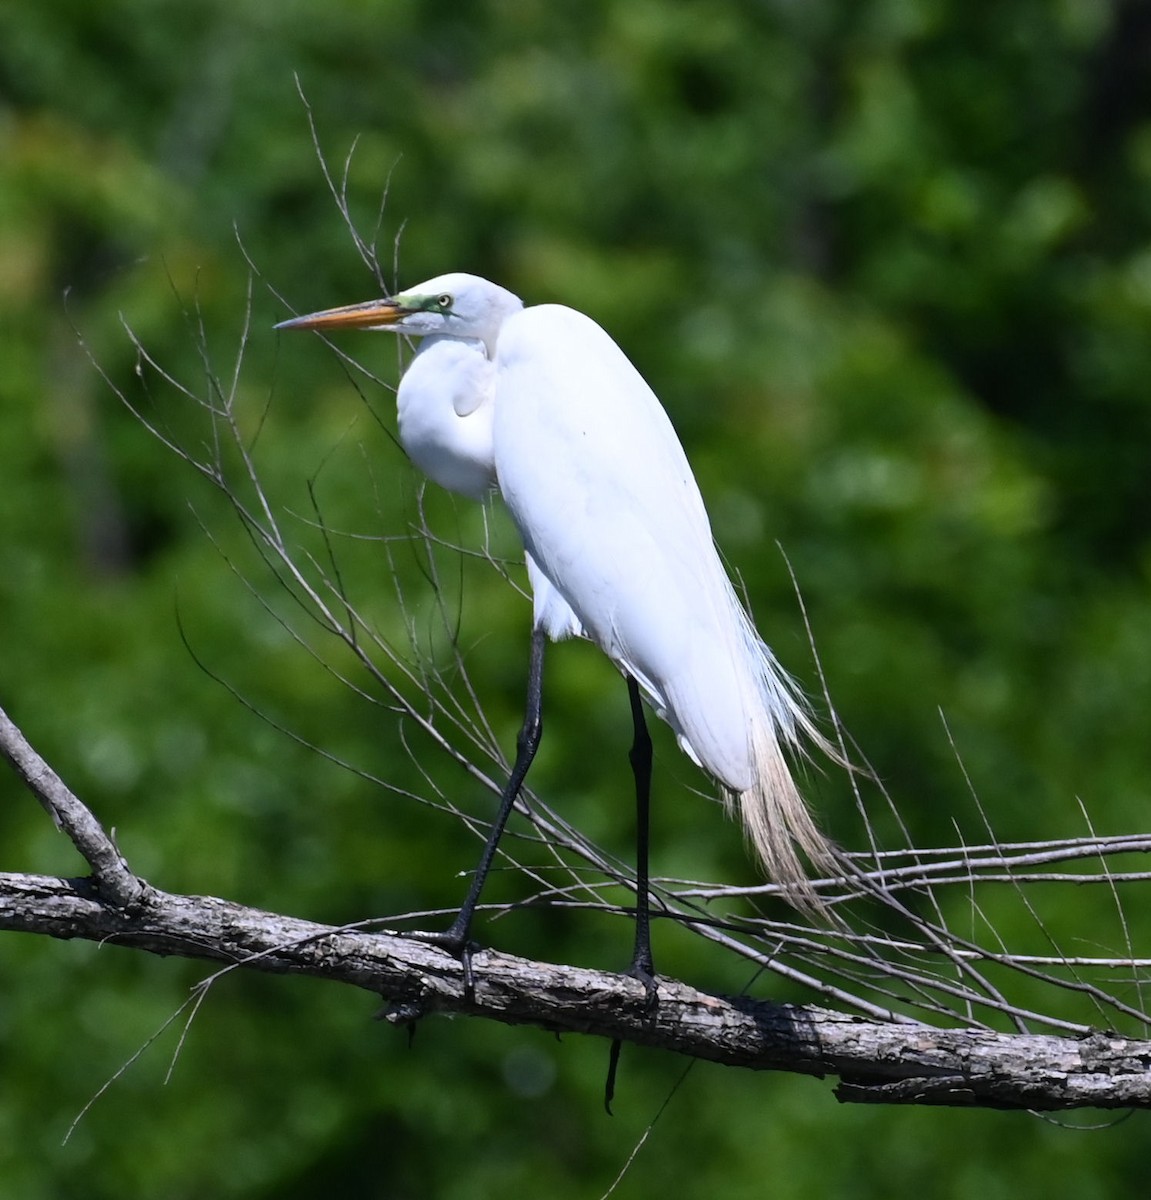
{"x": 542, "y": 405}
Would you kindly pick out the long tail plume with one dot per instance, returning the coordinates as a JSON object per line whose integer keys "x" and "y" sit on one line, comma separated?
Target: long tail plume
{"x": 775, "y": 815}
{"x": 780, "y": 827}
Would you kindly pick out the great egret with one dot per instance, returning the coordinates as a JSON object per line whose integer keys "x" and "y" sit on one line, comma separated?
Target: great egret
{"x": 542, "y": 405}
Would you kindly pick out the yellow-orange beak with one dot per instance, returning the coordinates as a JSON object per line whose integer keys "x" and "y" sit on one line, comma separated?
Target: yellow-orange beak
{"x": 370, "y": 315}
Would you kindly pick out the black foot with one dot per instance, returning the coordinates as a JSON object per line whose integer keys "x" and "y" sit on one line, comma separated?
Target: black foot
{"x": 456, "y": 944}
{"x": 641, "y": 971}
{"x": 644, "y": 974}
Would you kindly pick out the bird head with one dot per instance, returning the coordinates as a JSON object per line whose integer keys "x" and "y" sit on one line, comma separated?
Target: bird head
{"x": 454, "y": 305}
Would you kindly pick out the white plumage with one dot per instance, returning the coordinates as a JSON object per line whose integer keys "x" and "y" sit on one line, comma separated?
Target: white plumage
{"x": 541, "y": 403}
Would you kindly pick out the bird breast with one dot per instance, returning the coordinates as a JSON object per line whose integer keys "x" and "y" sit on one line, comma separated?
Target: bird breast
{"x": 445, "y": 415}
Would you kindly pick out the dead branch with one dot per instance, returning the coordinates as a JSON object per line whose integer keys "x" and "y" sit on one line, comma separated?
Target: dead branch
{"x": 110, "y": 872}
{"x": 876, "y": 1062}
{"x": 898, "y": 1061}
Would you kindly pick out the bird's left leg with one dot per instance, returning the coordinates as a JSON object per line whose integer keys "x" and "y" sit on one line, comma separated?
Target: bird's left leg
{"x": 456, "y": 937}
{"x": 641, "y": 961}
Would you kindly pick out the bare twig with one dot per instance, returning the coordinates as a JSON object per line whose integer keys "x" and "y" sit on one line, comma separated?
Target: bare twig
{"x": 110, "y": 873}
{"x": 923, "y": 931}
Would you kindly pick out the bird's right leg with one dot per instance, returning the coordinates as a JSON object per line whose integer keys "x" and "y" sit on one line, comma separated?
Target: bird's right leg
{"x": 641, "y": 961}
{"x": 456, "y": 937}
{"x": 640, "y": 757}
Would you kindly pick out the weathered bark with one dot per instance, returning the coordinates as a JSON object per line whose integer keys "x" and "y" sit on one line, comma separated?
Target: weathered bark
{"x": 896, "y": 1063}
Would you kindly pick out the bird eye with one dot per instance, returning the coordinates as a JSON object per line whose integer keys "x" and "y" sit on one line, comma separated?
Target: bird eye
{"x": 444, "y": 303}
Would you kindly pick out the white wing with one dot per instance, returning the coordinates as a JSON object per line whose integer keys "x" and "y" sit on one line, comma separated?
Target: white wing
{"x": 551, "y": 612}
{"x": 602, "y": 493}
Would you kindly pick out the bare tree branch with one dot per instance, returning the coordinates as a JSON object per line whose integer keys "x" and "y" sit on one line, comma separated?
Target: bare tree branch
{"x": 876, "y": 1062}
{"x": 900, "y": 1062}
{"x": 110, "y": 873}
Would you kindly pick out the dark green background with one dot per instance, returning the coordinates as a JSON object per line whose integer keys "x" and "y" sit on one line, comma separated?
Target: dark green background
{"x": 888, "y": 264}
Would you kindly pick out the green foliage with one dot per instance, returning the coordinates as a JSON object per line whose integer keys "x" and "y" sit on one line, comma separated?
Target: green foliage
{"x": 888, "y": 263}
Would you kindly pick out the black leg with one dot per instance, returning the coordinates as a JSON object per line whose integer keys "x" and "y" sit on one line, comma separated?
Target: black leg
{"x": 641, "y": 961}
{"x": 455, "y": 937}
{"x": 640, "y": 757}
